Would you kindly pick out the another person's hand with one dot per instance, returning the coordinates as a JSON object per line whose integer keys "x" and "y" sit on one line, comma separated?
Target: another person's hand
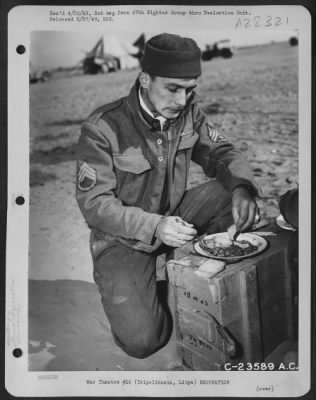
{"x": 174, "y": 231}
{"x": 244, "y": 208}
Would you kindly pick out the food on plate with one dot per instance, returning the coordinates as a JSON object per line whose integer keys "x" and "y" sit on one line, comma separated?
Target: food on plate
{"x": 227, "y": 248}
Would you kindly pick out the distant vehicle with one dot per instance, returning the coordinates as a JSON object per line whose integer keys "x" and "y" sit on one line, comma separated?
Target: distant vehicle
{"x": 222, "y": 48}
{"x": 37, "y": 74}
{"x": 95, "y": 65}
{"x": 293, "y": 41}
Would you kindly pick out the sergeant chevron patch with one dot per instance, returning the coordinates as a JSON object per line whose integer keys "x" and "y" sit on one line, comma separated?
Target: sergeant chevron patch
{"x": 214, "y": 134}
{"x": 87, "y": 177}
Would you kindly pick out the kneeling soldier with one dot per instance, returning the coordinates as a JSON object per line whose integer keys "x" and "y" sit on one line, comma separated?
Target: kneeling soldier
{"x": 133, "y": 164}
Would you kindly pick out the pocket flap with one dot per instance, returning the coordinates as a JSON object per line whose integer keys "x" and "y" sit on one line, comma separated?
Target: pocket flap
{"x": 135, "y": 164}
{"x": 188, "y": 141}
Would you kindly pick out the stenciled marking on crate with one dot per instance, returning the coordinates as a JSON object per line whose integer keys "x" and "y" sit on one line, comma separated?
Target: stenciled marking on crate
{"x": 218, "y": 295}
{"x": 197, "y": 360}
{"x": 202, "y": 332}
{"x": 194, "y": 297}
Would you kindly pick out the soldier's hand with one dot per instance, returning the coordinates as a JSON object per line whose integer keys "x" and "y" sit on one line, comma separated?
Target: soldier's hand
{"x": 244, "y": 208}
{"x": 174, "y": 231}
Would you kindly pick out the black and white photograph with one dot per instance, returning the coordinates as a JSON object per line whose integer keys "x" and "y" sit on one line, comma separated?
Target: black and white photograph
{"x": 155, "y": 246}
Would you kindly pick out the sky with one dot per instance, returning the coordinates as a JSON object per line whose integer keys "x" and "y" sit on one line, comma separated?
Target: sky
{"x": 52, "y": 49}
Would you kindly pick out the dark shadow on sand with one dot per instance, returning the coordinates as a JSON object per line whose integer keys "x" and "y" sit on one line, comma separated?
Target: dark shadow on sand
{"x": 66, "y": 320}
{"x": 56, "y": 155}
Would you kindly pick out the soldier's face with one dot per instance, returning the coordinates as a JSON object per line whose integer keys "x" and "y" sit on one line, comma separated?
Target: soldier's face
{"x": 168, "y": 96}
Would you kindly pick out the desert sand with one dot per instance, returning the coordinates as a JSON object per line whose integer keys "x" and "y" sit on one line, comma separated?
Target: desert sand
{"x": 253, "y": 99}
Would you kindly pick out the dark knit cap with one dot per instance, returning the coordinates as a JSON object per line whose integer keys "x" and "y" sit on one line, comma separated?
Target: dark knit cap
{"x": 172, "y": 56}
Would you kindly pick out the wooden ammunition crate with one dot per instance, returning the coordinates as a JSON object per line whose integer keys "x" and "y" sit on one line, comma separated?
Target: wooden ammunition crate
{"x": 241, "y": 314}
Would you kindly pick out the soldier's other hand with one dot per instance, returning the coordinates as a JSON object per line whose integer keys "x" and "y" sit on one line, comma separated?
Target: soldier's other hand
{"x": 174, "y": 231}
{"x": 244, "y": 208}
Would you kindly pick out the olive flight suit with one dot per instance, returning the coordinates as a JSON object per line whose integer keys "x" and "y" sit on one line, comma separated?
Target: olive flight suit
{"x": 129, "y": 175}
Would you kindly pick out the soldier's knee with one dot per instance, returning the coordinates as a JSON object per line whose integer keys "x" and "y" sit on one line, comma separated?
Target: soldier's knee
{"x": 144, "y": 344}
{"x": 141, "y": 350}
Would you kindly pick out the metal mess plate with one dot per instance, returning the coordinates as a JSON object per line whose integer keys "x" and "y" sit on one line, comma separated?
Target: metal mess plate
{"x": 222, "y": 239}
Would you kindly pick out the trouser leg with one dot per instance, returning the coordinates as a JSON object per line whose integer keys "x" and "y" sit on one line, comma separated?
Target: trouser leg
{"x": 140, "y": 320}
{"x": 208, "y": 207}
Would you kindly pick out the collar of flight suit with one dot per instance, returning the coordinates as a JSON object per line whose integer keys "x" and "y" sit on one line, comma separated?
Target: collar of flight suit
{"x": 133, "y": 102}
{"x": 162, "y": 120}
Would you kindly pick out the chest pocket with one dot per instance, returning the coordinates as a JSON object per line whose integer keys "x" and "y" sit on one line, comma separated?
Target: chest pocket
{"x": 132, "y": 179}
{"x": 188, "y": 140}
{"x": 135, "y": 164}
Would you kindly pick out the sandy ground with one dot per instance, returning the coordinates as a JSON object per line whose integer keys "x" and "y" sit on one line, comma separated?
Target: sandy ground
{"x": 253, "y": 98}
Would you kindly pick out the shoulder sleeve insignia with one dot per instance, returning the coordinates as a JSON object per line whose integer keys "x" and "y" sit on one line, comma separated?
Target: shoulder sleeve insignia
{"x": 87, "y": 177}
{"x": 215, "y": 135}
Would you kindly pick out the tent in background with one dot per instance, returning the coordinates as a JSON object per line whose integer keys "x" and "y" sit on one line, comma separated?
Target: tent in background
{"x": 111, "y": 53}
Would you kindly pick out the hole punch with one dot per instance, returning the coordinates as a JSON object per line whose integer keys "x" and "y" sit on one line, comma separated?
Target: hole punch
{"x": 20, "y": 49}
{"x": 17, "y": 353}
{"x": 20, "y": 200}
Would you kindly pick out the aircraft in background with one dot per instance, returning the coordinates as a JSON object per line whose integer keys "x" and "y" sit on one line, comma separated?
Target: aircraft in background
{"x": 112, "y": 53}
